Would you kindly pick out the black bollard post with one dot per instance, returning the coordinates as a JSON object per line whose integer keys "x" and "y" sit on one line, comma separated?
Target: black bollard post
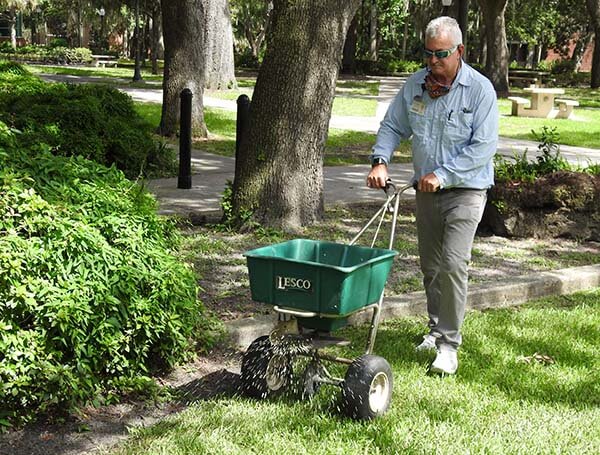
{"x": 185, "y": 141}
{"x": 242, "y": 120}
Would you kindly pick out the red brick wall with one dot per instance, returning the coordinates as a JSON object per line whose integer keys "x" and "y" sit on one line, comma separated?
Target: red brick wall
{"x": 586, "y": 64}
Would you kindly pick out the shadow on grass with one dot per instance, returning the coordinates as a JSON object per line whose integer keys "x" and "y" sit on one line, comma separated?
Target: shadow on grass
{"x": 549, "y": 363}
{"x": 221, "y": 383}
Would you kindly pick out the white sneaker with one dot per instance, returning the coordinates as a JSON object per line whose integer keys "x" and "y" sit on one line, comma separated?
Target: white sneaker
{"x": 428, "y": 344}
{"x": 446, "y": 362}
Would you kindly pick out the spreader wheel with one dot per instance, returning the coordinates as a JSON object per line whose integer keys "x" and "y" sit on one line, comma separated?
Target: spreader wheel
{"x": 264, "y": 370}
{"x": 367, "y": 388}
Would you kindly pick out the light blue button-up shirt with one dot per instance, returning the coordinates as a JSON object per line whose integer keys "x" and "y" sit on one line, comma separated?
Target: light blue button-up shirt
{"x": 454, "y": 136}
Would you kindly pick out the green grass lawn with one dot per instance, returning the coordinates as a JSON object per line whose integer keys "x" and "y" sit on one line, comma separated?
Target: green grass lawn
{"x": 352, "y": 147}
{"x": 528, "y": 382}
{"x": 349, "y": 100}
{"x": 126, "y": 73}
{"x": 342, "y": 146}
{"x": 582, "y": 130}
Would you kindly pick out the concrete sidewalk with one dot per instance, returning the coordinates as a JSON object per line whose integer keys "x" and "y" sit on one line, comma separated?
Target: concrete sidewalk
{"x": 342, "y": 185}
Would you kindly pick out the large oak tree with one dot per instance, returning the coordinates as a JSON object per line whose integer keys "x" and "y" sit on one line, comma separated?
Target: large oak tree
{"x": 185, "y": 54}
{"x": 219, "y": 46}
{"x": 279, "y": 168}
{"x": 496, "y": 64}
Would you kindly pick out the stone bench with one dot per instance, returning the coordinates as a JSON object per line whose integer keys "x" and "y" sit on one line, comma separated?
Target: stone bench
{"x": 565, "y": 107}
{"x": 104, "y": 63}
{"x": 104, "y": 60}
{"x": 518, "y": 105}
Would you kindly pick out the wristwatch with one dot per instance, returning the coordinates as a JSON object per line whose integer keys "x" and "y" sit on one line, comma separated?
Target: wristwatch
{"x": 377, "y": 161}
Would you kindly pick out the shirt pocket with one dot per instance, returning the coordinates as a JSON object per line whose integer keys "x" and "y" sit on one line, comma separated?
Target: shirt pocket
{"x": 458, "y": 129}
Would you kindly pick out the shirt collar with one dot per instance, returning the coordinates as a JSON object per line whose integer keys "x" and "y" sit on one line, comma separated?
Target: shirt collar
{"x": 464, "y": 76}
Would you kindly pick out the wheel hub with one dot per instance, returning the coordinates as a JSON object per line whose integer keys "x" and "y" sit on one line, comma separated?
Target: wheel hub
{"x": 379, "y": 392}
{"x": 276, "y": 374}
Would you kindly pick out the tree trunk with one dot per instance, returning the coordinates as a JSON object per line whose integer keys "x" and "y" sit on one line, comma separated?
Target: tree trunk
{"x": 279, "y": 171}
{"x": 373, "y": 32}
{"x": 593, "y": 7}
{"x": 219, "y": 46}
{"x": 482, "y": 58}
{"x": 463, "y": 21}
{"x": 184, "y": 35}
{"x": 155, "y": 38}
{"x": 137, "y": 73}
{"x": 349, "y": 53}
{"x": 496, "y": 67}
{"x": 405, "y": 26}
{"x": 13, "y": 27}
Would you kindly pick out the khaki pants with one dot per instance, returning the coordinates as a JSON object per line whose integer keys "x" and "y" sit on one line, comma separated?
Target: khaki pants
{"x": 446, "y": 225}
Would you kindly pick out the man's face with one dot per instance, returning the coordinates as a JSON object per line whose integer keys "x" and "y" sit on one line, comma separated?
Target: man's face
{"x": 443, "y": 68}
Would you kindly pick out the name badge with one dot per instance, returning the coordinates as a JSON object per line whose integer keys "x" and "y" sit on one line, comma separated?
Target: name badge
{"x": 417, "y": 107}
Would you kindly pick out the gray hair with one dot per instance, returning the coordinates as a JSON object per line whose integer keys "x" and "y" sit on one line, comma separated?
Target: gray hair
{"x": 444, "y": 25}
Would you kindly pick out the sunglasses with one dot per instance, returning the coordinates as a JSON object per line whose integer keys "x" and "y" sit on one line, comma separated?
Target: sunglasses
{"x": 439, "y": 54}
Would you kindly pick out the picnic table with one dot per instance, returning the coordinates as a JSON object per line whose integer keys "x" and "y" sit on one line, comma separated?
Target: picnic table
{"x": 104, "y": 60}
{"x": 529, "y": 77}
{"x": 541, "y": 104}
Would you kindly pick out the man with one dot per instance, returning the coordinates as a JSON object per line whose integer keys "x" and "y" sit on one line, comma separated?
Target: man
{"x": 450, "y": 111}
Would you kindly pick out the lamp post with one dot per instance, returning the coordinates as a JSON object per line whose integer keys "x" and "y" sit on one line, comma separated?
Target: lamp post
{"x": 102, "y": 13}
{"x": 446, "y": 4}
{"x": 137, "y": 73}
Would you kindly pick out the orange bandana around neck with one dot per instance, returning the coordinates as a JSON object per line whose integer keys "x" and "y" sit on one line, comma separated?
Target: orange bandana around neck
{"x": 434, "y": 88}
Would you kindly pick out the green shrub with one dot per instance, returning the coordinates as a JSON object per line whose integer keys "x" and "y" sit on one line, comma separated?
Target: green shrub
{"x": 522, "y": 170}
{"x": 403, "y": 66}
{"x": 58, "y": 42}
{"x": 95, "y": 121}
{"x": 6, "y": 47}
{"x": 544, "y": 66}
{"x": 13, "y": 68}
{"x": 70, "y": 55}
{"x": 91, "y": 296}
{"x": 565, "y": 66}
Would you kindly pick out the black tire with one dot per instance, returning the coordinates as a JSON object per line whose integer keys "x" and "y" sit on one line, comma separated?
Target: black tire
{"x": 264, "y": 371}
{"x": 367, "y": 388}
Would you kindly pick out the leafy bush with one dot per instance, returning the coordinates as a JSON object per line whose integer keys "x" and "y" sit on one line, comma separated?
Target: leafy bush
{"x": 68, "y": 55}
{"x": 95, "y": 121}
{"x": 48, "y": 54}
{"x": 245, "y": 59}
{"x": 6, "y": 47}
{"x": 544, "y": 66}
{"x": 566, "y": 66}
{"x": 522, "y": 170}
{"x": 91, "y": 297}
{"x": 12, "y": 68}
{"x": 403, "y": 66}
{"x": 387, "y": 65}
{"x": 58, "y": 42}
